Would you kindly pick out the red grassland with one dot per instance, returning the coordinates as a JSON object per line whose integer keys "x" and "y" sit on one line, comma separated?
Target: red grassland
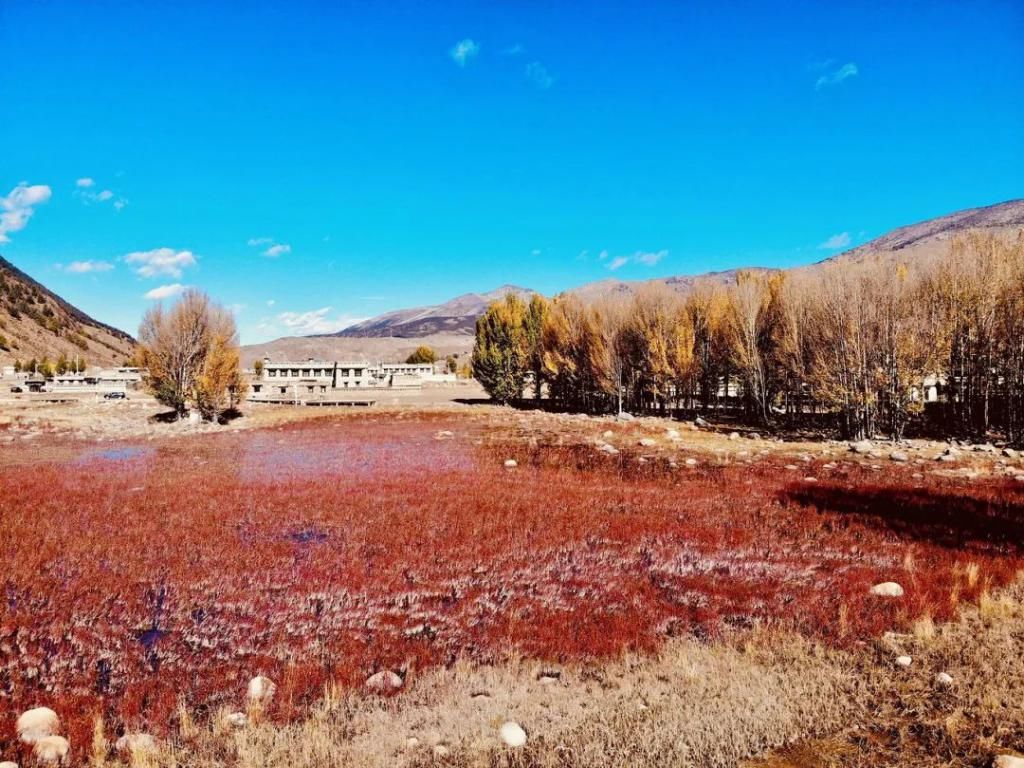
{"x": 136, "y": 577}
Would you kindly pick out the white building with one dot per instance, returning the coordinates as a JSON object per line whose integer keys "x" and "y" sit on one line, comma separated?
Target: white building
{"x": 313, "y": 377}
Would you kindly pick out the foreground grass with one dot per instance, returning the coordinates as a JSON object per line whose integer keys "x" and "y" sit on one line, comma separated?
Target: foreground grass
{"x": 692, "y": 704}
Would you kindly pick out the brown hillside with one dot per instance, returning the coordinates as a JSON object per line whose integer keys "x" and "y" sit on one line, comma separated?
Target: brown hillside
{"x": 37, "y": 323}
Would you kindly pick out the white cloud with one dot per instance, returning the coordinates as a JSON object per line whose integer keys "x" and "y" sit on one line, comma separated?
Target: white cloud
{"x": 87, "y": 196}
{"x": 463, "y": 51}
{"x": 836, "y": 76}
{"x": 539, "y": 74}
{"x": 83, "y": 267}
{"x": 84, "y": 182}
{"x": 17, "y": 208}
{"x": 842, "y": 240}
{"x": 276, "y": 250}
{"x": 105, "y": 195}
{"x": 535, "y": 252}
{"x": 164, "y": 291}
{"x": 120, "y": 204}
{"x": 271, "y": 302}
{"x": 644, "y": 258}
{"x": 315, "y": 321}
{"x": 160, "y": 261}
{"x": 603, "y": 255}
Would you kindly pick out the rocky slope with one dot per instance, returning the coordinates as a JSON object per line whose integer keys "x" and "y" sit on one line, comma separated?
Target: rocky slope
{"x": 37, "y": 323}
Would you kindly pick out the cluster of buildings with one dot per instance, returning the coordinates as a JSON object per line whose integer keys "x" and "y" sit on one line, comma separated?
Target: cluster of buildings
{"x": 123, "y": 379}
{"x": 289, "y": 380}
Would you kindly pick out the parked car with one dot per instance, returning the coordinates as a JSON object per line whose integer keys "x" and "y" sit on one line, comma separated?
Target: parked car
{"x": 114, "y": 396}
{"x": 17, "y": 390}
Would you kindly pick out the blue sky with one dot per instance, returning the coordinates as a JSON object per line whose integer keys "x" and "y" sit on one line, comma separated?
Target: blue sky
{"x": 313, "y": 163}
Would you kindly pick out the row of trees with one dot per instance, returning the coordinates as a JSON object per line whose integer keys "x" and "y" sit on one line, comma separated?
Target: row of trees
{"x": 854, "y": 342}
{"x": 47, "y": 368}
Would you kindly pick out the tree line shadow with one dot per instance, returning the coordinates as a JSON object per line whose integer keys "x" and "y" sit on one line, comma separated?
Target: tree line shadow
{"x": 951, "y": 520}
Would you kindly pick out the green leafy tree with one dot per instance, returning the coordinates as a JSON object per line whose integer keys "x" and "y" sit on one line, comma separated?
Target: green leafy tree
{"x": 500, "y": 354}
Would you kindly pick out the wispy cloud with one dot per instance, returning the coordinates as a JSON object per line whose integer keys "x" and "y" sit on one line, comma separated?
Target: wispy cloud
{"x": 164, "y": 291}
{"x": 539, "y": 75}
{"x": 841, "y": 240}
{"x": 275, "y": 248}
{"x": 84, "y": 191}
{"x": 315, "y": 321}
{"x": 463, "y": 51}
{"x": 160, "y": 261}
{"x": 835, "y": 76}
{"x": 17, "y": 207}
{"x": 84, "y": 267}
{"x": 643, "y": 258}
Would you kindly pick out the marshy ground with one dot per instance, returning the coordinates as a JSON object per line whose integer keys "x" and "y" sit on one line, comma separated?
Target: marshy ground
{"x": 632, "y": 593}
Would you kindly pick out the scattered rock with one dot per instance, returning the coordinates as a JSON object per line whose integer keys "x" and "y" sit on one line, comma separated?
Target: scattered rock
{"x": 754, "y": 435}
{"x": 51, "y": 749}
{"x": 647, "y": 442}
{"x": 384, "y": 681}
{"x": 8, "y": 764}
{"x": 944, "y": 679}
{"x": 237, "y": 720}
{"x": 512, "y": 734}
{"x": 135, "y": 743}
{"x": 672, "y": 434}
{"x": 38, "y": 723}
{"x": 611, "y": 450}
{"x": 900, "y": 456}
{"x": 1009, "y": 453}
{"x": 887, "y": 589}
{"x": 690, "y": 462}
{"x": 903, "y": 661}
{"x": 623, "y": 416}
{"x": 441, "y": 751}
{"x": 734, "y": 435}
{"x": 608, "y": 434}
{"x": 864, "y": 447}
{"x": 511, "y": 464}
{"x": 261, "y": 690}
{"x": 1000, "y": 761}
{"x": 699, "y": 422}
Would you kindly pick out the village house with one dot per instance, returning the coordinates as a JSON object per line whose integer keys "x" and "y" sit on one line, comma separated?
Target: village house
{"x": 310, "y": 378}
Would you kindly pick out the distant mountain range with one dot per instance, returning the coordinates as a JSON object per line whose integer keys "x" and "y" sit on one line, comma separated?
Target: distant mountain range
{"x": 455, "y": 316}
{"x": 37, "y": 323}
{"x": 459, "y": 315}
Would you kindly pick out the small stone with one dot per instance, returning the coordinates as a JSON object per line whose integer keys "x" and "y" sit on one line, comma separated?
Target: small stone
{"x": 623, "y": 416}
{"x": 899, "y": 456}
{"x": 672, "y": 434}
{"x": 136, "y": 743}
{"x": 944, "y": 679}
{"x": 412, "y": 742}
{"x": 511, "y": 464}
{"x": 648, "y": 442}
{"x": 734, "y": 435}
{"x": 441, "y": 751}
{"x": 903, "y": 661}
{"x": 384, "y": 681}
{"x": 863, "y": 446}
{"x": 699, "y": 422}
{"x": 237, "y": 720}
{"x": 690, "y": 462}
{"x": 8, "y": 764}
{"x": 887, "y": 589}
{"x": 611, "y": 450}
{"x": 1009, "y": 453}
{"x": 512, "y": 734}
{"x": 1000, "y": 761}
{"x": 754, "y": 435}
{"x": 51, "y": 749}
{"x": 35, "y": 724}
{"x": 607, "y": 434}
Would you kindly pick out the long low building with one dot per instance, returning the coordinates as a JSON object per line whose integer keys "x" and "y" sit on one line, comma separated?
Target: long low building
{"x": 318, "y": 377}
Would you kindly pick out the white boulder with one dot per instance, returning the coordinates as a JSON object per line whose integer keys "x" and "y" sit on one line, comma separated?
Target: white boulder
{"x": 944, "y": 679}
{"x": 1000, "y": 761}
{"x": 648, "y": 442}
{"x": 611, "y": 450}
{"x": 512, "y": 734}
{"x": 136, "y": 743}
{"x": 863, "y": 446}
{"x": 384, "y": 681}
{"x": 35, "y": 724}
{"x": 903, "y": 661}
{"x": 261, "y": 690}
{"x": 887, "y": 589}
{"x": 511, "y": 464}
{"x": 899, "y": 456}
{"x": 51, "y": 749}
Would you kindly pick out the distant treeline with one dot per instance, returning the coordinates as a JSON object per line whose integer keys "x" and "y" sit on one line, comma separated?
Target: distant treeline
{"x": 853, "y": 342}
